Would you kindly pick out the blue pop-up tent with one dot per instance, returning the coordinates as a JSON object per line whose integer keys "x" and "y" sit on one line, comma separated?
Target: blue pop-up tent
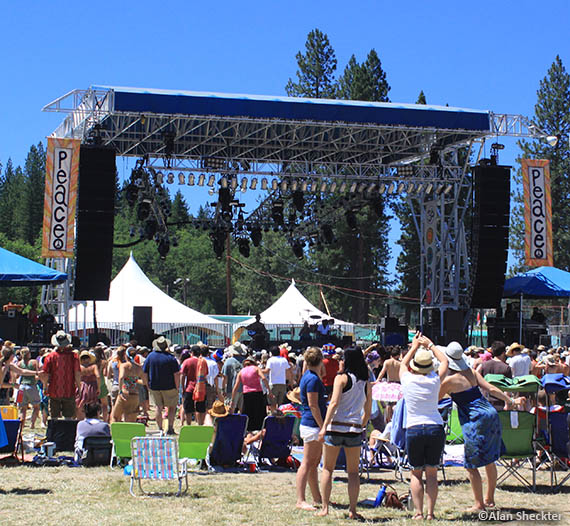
{"x": 17, "y": 271}
{"x": 541, "y": 282}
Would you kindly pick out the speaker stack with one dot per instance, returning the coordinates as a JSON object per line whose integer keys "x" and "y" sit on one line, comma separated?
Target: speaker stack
{"x": 95, "y": 222}
{"x": 491, "y": 233}
{"x": 142, "y": 326}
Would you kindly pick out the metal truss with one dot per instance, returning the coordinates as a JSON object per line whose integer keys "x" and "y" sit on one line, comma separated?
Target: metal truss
{"x": 56, "y": 298}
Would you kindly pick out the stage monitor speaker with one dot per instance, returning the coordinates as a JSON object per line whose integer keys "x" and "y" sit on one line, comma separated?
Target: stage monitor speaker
{"x": 142, "y": 325}
{"x": 491, "y": 229}
{"x": 95, "y": 223}
{"x": 62, "y": 432}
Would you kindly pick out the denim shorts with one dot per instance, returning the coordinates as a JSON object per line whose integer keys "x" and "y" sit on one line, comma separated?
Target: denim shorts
{"x": 424, "y": 445}
{"x": 346, "y": 440}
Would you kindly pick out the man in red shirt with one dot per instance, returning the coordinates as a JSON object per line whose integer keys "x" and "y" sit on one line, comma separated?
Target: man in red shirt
{"x": 331, "y": 365}
{"x": 61, "y": 375}
{"x": 188, "y": 379}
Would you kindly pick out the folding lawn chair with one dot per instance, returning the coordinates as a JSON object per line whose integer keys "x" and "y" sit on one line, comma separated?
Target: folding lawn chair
{"x": 226, "y": 450}
{"x": 121, "y": 435}
{"x": 96, "y": 451}
{"x": 277, "y": 439}
{"x": 518, "y": 429}
{"x": 555, "y": 448}
{"x": 14, "y": 435}
{"x": 156, "y": 458}
{"x": 194, "y": 441}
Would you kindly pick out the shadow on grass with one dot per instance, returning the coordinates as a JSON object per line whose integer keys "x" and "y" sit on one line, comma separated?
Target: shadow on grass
{"x": 25, "y": 491}
{"x": 540, "y": 488}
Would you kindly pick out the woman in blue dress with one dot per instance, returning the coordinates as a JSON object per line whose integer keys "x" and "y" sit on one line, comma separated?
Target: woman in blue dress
{"x": 479, "y": 422}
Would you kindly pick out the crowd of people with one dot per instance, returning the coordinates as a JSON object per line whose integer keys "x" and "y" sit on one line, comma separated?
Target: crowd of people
{"x": 330, "y": 387}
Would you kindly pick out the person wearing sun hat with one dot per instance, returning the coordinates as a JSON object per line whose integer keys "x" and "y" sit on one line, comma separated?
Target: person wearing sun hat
{"x": 519, "y": 363}
{"x": 425, "y": 437}
{"x": 479, "y": 422}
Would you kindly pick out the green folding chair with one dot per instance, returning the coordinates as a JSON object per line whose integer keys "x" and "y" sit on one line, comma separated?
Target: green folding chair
{"x": 454, "y": 431}
{"x": 121, "y": 435}
{"x": 194, "y": 441}
{"x": 518, "y": 437}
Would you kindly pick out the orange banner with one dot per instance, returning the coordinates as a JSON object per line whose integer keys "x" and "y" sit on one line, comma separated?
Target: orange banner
{"x": 60, "y": 198}
{"x": 537, "y": 212}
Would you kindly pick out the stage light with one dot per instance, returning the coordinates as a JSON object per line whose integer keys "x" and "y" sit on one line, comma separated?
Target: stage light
{"x": 211, "y": 180}
{"x": 277, "y": 212}
{"x": 181, "y": 178}
{"x": 218, "y": 238}
{"x": 234, "y": 183}
{"x": 370, "y": 188}
{"x": 201, "y": 179}
{"x": 361, "y": 187}
{"x": 283, "y": 185}
{"x": 419, "y": 187}
{"x": 131, "y": 194}
{"x": 163, "y": 248}
{"x": 170, "y": 178}
{"x": 253, "y": 184}
{"x": 274, "y": 184}
{"x": 439, "y": 189}
{"x": 332, "y": 187}
{"x": 245, "y": 166}
{"x": 255, "y": 236}
{"x": 405, "y": 171}
{"x": 132, "y": 231}
{"x": 224, "y": 182}
{"x": 264, "y": 184}
{"x": 401, "y": 187}
{"x": 294, "y": 186}
{"x": 150, "y": 228}
{"x": 351, "y": 220}
{"x": 382, "y": 188}
{"x": 391, "y": 187}
{"x": 429, "y": 188}
{"x": 353, "y": 187}
{"x": 304, "y": 186}
{"x": 410, "y": 188}
{"x": 299, "y": 200}
{"x": 342, "y": 188}
{"x": 448, "y": 189}
{"x": 211, "y": 191}
{"x": 323, "y": 187}
{"x": 297, "y": 247}
{"x": 191, "y": 180}
{"x": 243, "y": 187}
{"x": 159, "y": 178}
{"x": 143, "y": 210}
{"x": 552, "y": 140}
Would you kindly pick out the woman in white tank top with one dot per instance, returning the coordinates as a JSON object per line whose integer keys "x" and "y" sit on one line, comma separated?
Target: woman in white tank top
{"x": 346, "y": 418}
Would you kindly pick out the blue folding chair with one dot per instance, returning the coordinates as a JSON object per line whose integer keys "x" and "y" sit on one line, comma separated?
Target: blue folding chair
{"x": 277, "y": 439}
{"x": 227, "y": 448}
{"x": 13, "y": 429}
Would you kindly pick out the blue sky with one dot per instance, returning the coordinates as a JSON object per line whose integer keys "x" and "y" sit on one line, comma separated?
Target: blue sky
{"x": 483, "y": 55}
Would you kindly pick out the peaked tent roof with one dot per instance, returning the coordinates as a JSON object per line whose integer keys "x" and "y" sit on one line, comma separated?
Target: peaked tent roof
{"x": 541, "y": 282}
{"x": 18, "y": 271}
{"x": 292, "y": 308}
{"x": 132, "y": 288}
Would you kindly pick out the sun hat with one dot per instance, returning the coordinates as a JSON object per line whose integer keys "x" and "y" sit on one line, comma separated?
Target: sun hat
{"x": 454, "y": 352}
{"x": 512, "y": 347}
{"x": 238, "y": 349}
{"x": 295, "y": 395}
{"x": 161, "y": 344}
{"x": 219, "y": 409}
{"x": 61, "y": 339}
{"x": 372, "y": 357}
{"x": 422, "y": 362}
{"x": 88, "y": 354}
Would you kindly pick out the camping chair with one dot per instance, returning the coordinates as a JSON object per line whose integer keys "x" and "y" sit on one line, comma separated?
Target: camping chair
{"x": 194, "y": 441}
{"x": 96, "y": 451}
{"x": 555, "y": 448}
{"x": 14, "y": 435}
{"x": 156, "y": 458}
{"x": 121, "y": 434}
{"x": 227, "y": 447}
{"x": 277, "y": 437}
{"x": 518, "y": 436}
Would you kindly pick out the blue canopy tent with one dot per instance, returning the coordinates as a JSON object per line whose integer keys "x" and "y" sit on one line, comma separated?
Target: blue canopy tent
{"x": 538, "y": 283}
{"x": 17, "y": 271}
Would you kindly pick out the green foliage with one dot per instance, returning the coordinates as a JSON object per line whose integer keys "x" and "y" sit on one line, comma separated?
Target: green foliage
{"x": 366, "y": 81}
{"x": 421, "y": 98}
{"x": 315, "y": 76}
{"x": 551, "y": 115}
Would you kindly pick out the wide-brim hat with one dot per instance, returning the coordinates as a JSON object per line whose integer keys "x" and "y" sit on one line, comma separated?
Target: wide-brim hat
{"x": 295, "y": 396}
{"x": 454, "y": 353}
{"x": 422, "y": 362}
{"x": 512, "y": 347}
{"x": 88, "y": 354}
{"x": 161, "y": 344}
{"x": 219, "y": 409}
{"x": 61, "y": 339}
{"x": 238, "y": 349}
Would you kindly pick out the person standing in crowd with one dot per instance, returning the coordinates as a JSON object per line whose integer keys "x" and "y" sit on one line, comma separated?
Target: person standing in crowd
{"x": 496, "y": 365}
{"x": 331, "y": 364}
{"x": 102, "y": 364}
{"x": 88, "y": 392}
{"x": 61, "y": 375}
{"x": 162, "y": 375}
{"x": 113, "y": 371}
{"x": 230, "y": 370}
{"x": 188, "y": 378}
{"x": 254, "y": 403}
{"x": 347, "y": 416}
{"x": 211, "y": 379}
{"x": 479, "y": 422}
{"x": 130, "y": 377}
{"x": 29, "y": 388}
{"x": 519, "y": 362}
{"x": 313, "y": 399}
{"x": 425, "y": 437}
{"x": 278, "y": 371}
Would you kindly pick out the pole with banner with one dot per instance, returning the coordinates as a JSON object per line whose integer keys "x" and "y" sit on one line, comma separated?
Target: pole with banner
{"x": 60, "y": 198}
{"x": 538, "y": 212}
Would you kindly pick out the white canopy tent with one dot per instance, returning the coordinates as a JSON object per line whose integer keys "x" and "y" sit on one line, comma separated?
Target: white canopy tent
{"x": 132, "y": 288}
{"x": 292, "y": 309}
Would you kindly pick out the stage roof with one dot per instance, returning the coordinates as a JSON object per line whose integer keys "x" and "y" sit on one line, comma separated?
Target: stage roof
{"x": 197, "y": 125}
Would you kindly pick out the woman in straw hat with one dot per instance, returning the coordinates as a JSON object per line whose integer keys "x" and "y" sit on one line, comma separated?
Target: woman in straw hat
{"x": 425, "y": 437}
{"x": 479, "y": 422}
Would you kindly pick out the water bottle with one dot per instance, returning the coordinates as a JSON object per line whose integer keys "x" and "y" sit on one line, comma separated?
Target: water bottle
{"x": 380, "y": 497}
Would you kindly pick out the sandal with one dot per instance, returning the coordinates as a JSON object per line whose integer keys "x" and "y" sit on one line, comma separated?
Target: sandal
{"x": 418, "y": 516}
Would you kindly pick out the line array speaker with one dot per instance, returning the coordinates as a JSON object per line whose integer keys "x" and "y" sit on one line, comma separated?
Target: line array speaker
{"x": 491, "y": 228}
{"x": 95, "y": 223}
{"x": 142, "y": 325}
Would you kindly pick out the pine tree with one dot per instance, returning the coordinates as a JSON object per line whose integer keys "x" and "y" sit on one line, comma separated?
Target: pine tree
{"x": 421, "y": 98}
{"x": 366, "y": 81}
{"x": 34, "y": 171}
{"x": 315, "y": 76}
{"x": 551, "y": 115}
